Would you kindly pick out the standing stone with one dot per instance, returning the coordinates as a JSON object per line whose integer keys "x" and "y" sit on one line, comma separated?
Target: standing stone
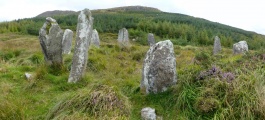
{"x": 240, "y": 47}
{"x": 83, "y": 38}
{"x": 95, "y": 38}
{"x": 159, "y": 68}
{"x": 67, "y": 41}
{"x": 123, "y": 37}
{"x": 217, "y": 45}
{"x": 151, "y": 39}
{"x": 50, "y": 36}
{"x": 148, "y": 114}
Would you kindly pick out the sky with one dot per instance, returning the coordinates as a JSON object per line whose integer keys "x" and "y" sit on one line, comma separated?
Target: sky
{"x": 245, "y": 14}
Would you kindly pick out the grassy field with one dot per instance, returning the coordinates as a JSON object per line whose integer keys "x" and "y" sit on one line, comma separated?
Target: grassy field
{"x": 110, "y": 86}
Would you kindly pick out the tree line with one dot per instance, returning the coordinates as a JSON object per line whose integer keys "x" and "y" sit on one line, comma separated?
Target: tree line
{"x": 181, "y": 29}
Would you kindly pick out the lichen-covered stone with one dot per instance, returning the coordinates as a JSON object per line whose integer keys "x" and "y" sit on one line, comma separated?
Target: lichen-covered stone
{"x": 67, "y": 41}
{"x": 123, "y": 37}
{"x": 28, "y": 76}
{"x": 217, "y": 45}
{"x": 83, "y": 39}
{"x": 240, "y": 47}
{"x": 151, "y": 39}
{"x": 159, "y": 68}
{"x": 148, "y": 114}
{"x": 95, "y": 38}
{"x": 50, "y": 36}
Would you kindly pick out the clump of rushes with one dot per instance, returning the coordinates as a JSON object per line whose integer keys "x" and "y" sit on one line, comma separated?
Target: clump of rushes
{"x": 98, "y": 102}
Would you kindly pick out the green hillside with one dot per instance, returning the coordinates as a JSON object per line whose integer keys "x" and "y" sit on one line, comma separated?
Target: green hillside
{"x": 110, "y": 88}
{"x": 181, "y": 29}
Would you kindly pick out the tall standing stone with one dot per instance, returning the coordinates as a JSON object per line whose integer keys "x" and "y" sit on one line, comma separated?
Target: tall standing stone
{"x": 217, "y": 45}
{"x": 240, "y": 47}
{"x": 159, "y": 68}
{"x": 50, "y": 36}
{"x": 95, "y": 38}
{"x": 67, "y": 41}
{"x": 151, "y": 39}
{"x": 83, "y": 39}
{"x": 123, "y": 37}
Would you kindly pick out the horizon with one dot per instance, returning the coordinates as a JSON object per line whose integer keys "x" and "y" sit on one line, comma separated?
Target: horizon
{"x": 225, "y": 12}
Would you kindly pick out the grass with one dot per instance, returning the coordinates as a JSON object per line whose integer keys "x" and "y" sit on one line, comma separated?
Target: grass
{"x": 110, "y": 87}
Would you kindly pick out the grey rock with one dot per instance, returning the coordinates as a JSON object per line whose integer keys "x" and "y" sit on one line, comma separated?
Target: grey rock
{"x": 217, "y": 45}
{"x": 67, "y": 41}
{"x": 50, "y": 36}
{"x": 240, "y": 47}
{"x": 83, "y": 39}
{"x": 148, "y": 114}
{"x": 28, "y": 76}
{"x": 159, "y": 68}
{"x": 123, "y": 37}
{"x": 151, "y": 39}
{"x": 95, "y": 38}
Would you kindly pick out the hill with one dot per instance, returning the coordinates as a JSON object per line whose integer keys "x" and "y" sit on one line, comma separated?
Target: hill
{"x": 56, "y": 13}
{"x": 181, "y": 29}
{"x": 116, "y": 9}
{"x": 129, "y": 8}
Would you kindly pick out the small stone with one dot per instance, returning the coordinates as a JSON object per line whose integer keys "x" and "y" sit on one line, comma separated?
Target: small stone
{"x": 123, "y": 38}
{"x": 240, "y": 47}
{"x": 151, "y": 39}
{"x": 67, "y": 41}
{"x": 148, "y": 114}
{"x": 217, "y": 45}
{"x": 95, "y": 38}
{"x": 159, "y": 68}
{"x": 28, "y": 76}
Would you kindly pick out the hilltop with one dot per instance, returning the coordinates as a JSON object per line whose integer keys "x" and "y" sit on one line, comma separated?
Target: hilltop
{"x": 116, "y": 9}
{"x": 56, "y": 13}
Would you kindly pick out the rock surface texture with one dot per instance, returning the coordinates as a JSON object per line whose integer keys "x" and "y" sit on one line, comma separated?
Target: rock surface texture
{"x": 67, "y": 41}
{"x": 217, "y": 45}
{"x": 83, "y": 38}
{"x": 95, "y": 38}
{"x": 148, "y": 114}
{"x": 151, "y": 39}
{"x": 240, "y": 47}
{"x": 50, "y": 36}
{"x": 159, "y": 68}
{"x": 123, "y": 37}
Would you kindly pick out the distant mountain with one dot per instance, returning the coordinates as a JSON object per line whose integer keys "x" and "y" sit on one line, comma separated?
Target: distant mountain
{"x": 129, "y": 8}
{"x": 56, "y": 13}
{"x": 116, "y": 9}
